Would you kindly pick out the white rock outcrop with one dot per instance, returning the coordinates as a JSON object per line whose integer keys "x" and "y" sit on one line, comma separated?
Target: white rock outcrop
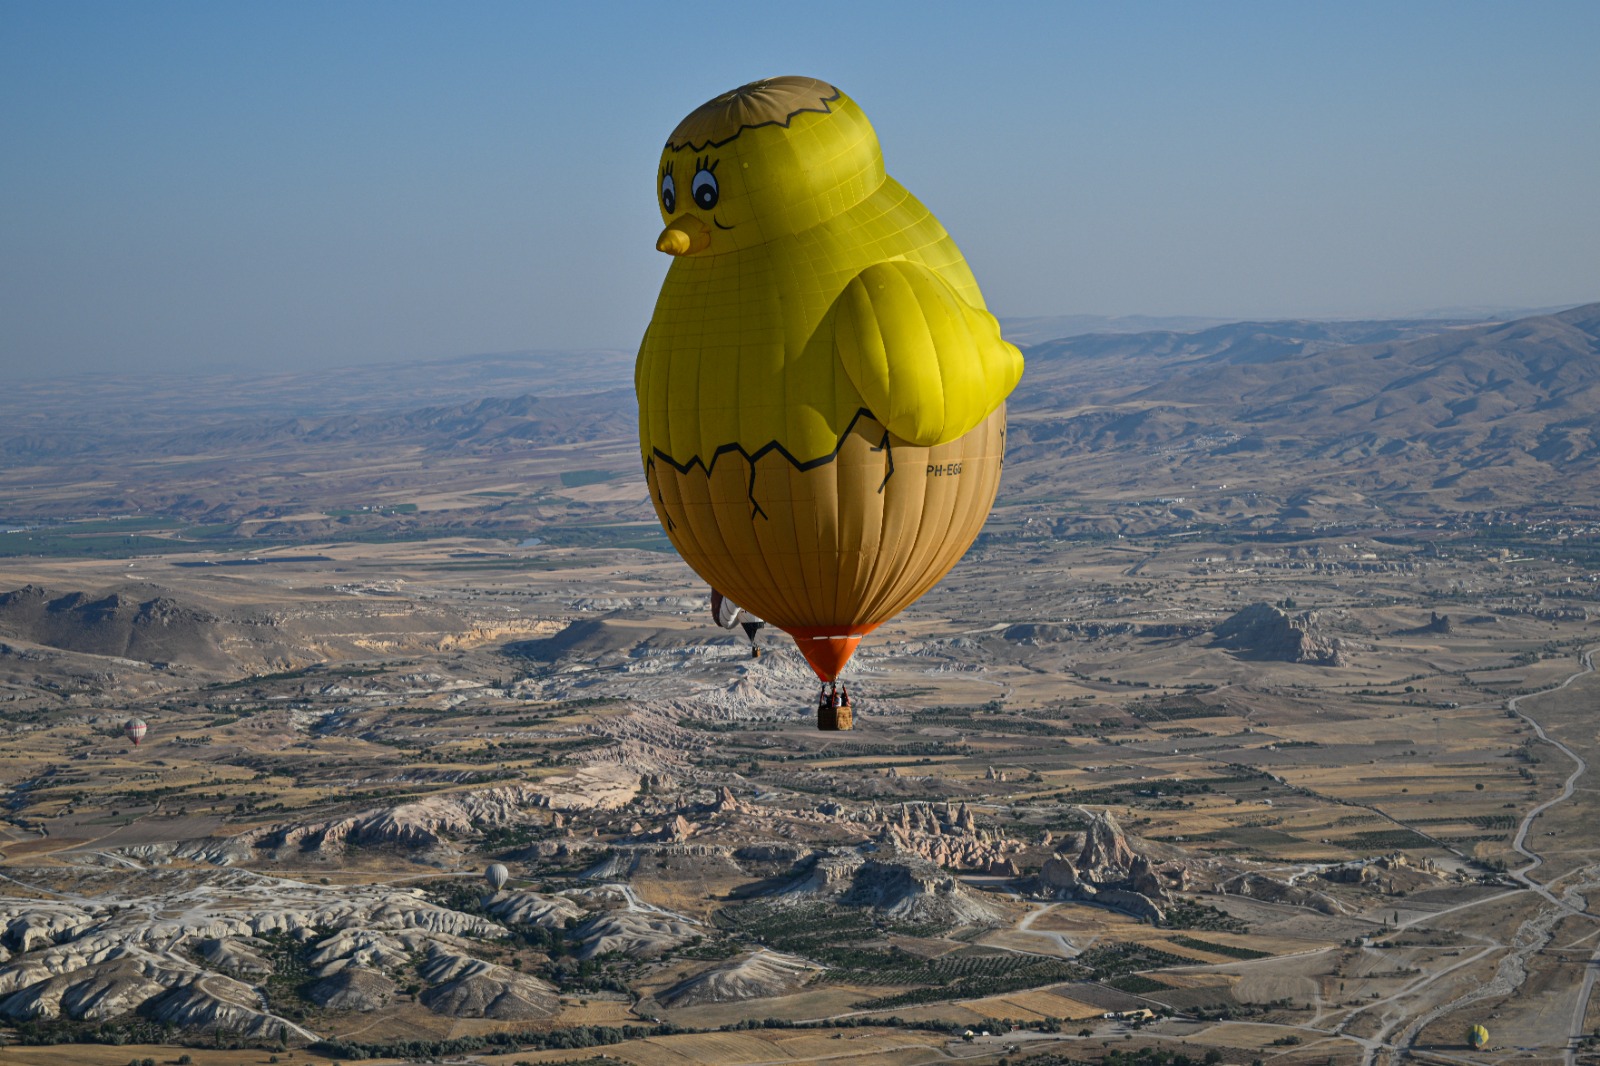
{"x": 635, "y": 933}
{"x": 464, "y": 987}
{"x": 902, "y": 884}
{"x": 212, "y": 1003}
{"x": 760, "y": 975}
{"x": 531, "y": 908}
{"x": 180, "y": 957}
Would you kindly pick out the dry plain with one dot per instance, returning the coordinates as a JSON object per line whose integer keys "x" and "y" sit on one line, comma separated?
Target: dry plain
{"x": 1344, "y": 829}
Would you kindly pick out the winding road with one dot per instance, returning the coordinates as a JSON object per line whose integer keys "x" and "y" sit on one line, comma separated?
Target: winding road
{"x": 1529, "y": 939}
{"x": 1534, "y": 933}
{"x": 1592, "y": 969}
{"x": 1519, "y": 842}
{"x": 1066, "y": 947}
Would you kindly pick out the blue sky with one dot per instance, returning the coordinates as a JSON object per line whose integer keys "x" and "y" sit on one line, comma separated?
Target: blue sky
{"x": 216, "y": 185}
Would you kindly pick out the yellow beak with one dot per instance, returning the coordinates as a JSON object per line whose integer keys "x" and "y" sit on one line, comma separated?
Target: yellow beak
{"x": 684, "y": 235}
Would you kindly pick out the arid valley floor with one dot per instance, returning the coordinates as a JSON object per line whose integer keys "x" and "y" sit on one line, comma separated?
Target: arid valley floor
{"x": 1264, "y": 705}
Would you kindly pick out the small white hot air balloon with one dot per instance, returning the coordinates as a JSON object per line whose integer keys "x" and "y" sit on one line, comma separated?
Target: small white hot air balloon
{"x": 497, "y": 876}
{"x": 134, "y": 729}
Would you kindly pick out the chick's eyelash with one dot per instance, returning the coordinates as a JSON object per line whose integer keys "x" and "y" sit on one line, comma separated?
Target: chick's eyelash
{"x": 706, "y": 164}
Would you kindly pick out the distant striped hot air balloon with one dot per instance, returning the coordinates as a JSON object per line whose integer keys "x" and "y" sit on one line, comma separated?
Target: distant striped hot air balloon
{"x": 1477, "y": 1037}
{"x": 135, "y": 729}
{"x": 729, "y": 614}
{"x": 497, "y": 876}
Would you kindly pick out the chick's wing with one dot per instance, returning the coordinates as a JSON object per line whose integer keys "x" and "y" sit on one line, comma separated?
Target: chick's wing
{"x": 930, "y": 365}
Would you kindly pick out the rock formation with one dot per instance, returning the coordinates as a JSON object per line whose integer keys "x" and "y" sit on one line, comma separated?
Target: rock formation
{"x": 945, "y": 835}
{"x": 90, "y": 961}
{"x": 130, "y": 622}
{"x": 635, "y": 933}
{"x": 238, "y": 956}
{"x": 676, "y": 830}
{"x": 1271, "y": 890}
{"x": 756, "y": 976}
{"x": 42, "y": 924}
{"x": 598, "y": 787}
{"x": 1393, "y": 873}
{"x": 353, "y": 988}
{"x": 214, "y": 1003}
{"x": 902, "y": 884}
{"x": 1108, "y": 870}
{"x": 772, "y": 852}
{"x": 364, "y": 947}
{"x": 1039, "y": 633}
{"x": 1262, "y": 631}
{"x": 432, "y": 821}
{"x": 531, "y": 908}
{"x": 464, "y": 987}
{"x": 139, "y": 624}
{"x": 727, "y": 803}
{"x": 114, "y": 986}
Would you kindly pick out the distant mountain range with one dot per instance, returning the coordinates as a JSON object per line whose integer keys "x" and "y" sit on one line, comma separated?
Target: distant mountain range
{"x": 1037, "y": 329}
{"x": 269, "y": 393}
{"x": 1406, "y": 379}
{"x": 484, "y": 425}
{"x": 1488, "y": 413}
{"x": 1430, "y": 412}
{"x": 1025, "y": 331}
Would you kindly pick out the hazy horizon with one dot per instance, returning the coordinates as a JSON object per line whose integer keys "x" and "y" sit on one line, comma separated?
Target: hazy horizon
{"x": 197, "y": 188}
{"x": 1024, "y": 330}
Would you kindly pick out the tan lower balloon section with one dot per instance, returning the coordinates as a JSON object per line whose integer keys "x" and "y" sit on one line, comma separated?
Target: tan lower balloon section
{"x": 831, "y": 552}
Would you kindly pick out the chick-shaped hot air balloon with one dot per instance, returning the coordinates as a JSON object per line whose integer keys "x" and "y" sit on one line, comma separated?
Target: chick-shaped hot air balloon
{"x": 821, "y": 391}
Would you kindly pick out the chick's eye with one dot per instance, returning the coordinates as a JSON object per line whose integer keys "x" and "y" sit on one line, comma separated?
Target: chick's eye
{"x": 669, "y": 194}
{"x": 704, "y": 189}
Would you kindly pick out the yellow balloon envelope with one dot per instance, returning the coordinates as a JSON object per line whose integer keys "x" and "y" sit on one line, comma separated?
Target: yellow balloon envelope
{"x": 821, "y": 390}
{"x": 1478, "y": 1036}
